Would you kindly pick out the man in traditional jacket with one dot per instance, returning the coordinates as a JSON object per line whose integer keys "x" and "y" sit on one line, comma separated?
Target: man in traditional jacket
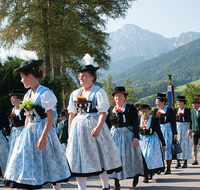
{"x": 195, "y": 117}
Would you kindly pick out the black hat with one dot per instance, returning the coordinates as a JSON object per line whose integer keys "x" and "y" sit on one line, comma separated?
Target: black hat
{"x": 161, "y": 96}
{"x": 181, "y": 98}
{"x": 89, "y": 64}
{"x": 87, "y": 68}
{"x": 28, "y": 64}
{"x": 62, "y": 114}
{"x": 195, "y": 100}
{"x": 144, "y": 106}
{"x": 119, "y": 89}
{"x": 16, "y": 92}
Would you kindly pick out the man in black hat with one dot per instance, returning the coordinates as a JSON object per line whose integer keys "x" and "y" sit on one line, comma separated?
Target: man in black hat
{"x": 63, "y": 129}
{"x": 195, "y": 117}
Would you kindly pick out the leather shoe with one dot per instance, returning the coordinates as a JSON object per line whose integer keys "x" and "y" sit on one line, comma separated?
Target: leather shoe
{"x": 178, "y": 165}
{"x": 135, "y": 181}
{"x": 184, "y": 165}
{"x": 116, "y": 188}
{"x": 195, "y": 162}
{"x": 167, "y": 172}
{"x": 150, "y": 176}
{"x": 146, "y": 180}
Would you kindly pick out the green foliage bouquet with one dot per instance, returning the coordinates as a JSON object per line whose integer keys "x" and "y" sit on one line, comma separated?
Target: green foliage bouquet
{"x": 27, "y": 104}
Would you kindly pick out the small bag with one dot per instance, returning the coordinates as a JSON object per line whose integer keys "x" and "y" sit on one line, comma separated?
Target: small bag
{"x": 176, "y": 148}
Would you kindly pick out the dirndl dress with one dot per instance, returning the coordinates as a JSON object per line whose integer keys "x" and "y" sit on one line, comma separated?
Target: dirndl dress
{"x": 18, "y": 121}
{"x": 167, "y": 134}
{"x": 4, "y": 149}
{"x": 131, "y": 156}
{"x": 88, "y": 155}
{"x": 184, "y": 140}
{"x": 29, "y": 167}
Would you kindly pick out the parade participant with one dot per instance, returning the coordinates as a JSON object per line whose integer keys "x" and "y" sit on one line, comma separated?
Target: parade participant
{"x": 123, "y": 121}
{"x": 4, "y": 145}
{"x": 17, "y": 117}
{"x": 90, "y": 149}
{"x": 167, "y": 120}
{"x": 38, "y": 157}
{"x": 150, "y": 137}
{"x": 183, "y": 124}
{"x": 195, "y": 117}
{"x": 63, "y": 129}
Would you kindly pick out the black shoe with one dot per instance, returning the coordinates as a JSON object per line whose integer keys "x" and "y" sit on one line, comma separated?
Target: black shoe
{"x": 167, "y": 172}
{"x": 116, "y": 188}
{"x": 146, "y": 180}
{"x": 184, "y": 165}
{"x": 107, "y": 188}
{"x": 135, "y": 181}
{"x": 195, "y": 162}
{"x": 150, "y": 176}
{"x": 159, "y": 172}
{"x": 178, "y": 165}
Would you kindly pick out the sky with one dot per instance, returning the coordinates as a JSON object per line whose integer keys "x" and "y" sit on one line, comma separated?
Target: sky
{"x": 169, "y": 18}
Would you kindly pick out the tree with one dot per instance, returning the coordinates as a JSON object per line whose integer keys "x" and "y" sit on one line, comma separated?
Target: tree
{"x": 61, "y": 31}
{"x": 109, "y": 86}
{"x": 129, "y": 89}
{"x": 190, "y": 91}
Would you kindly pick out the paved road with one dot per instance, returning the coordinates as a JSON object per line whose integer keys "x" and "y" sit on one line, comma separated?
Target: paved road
{"x": 180, "y": 179}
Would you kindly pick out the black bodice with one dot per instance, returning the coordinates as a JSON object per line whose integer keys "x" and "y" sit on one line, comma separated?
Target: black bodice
{"x": 16, "y": 120}
{"x": 84, "y": 107}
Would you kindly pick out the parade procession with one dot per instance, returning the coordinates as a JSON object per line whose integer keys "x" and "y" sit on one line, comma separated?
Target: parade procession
{"x": 99, "y": 94}
{"x": 118, "y": 142}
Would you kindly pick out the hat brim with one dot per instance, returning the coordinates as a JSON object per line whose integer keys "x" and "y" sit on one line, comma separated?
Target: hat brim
{"x": 163, "y": 98}
{"x": 16, "y": 94}
{"x": 115, "y": 92}
{"x": 35, "y": 63}
{"x": 93, "y": 69}
{"x": 180, "y": 99}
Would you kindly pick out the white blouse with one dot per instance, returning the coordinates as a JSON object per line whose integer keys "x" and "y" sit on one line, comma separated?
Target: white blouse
{"x": 101, "y": 97}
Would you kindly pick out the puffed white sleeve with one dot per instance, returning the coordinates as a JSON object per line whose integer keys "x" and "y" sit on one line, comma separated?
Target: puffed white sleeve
{"x": 71, "y": 107}
{"x": 102, "y": 101}
{"x": 48, "y": 100}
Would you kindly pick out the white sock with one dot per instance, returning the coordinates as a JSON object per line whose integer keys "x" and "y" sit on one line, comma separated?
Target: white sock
{"x": 104, "y": 179}
{"x": 81, "y": 181}
{"x": 56, "y": 187}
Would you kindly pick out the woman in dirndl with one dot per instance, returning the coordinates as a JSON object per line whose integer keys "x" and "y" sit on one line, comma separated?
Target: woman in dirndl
{"x": 90, "y": 150}
{"x": 150, "y": 138}
{"x": 17, "y": 117}
{"x": 122, "y": 119}
{"x": 4, "y": 145}
{"x": 183, "y": 124}
{"x": 167, "y": 120}
{"x": 38, "y": 157}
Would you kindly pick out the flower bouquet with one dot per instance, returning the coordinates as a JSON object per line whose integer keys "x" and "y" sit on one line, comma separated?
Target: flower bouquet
{"x": 28, "y": 106}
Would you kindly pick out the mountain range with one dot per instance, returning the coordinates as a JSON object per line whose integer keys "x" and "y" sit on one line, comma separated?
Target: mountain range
{"x": 132, "y": 45}
{"x": 150, "y": 77}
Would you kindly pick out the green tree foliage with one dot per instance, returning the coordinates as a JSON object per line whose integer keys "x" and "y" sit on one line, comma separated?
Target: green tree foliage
{"x": 61, "y": 31}
{"x": 109, "y": 86}
{"x": 131, "y": 99}
{"x": 9, "y": 80}
{"x": 190, "y": 91}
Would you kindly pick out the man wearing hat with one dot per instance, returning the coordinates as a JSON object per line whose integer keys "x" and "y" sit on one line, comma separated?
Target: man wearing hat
{"x": 63, "y": 129}
{"x": 195, "y": 117}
